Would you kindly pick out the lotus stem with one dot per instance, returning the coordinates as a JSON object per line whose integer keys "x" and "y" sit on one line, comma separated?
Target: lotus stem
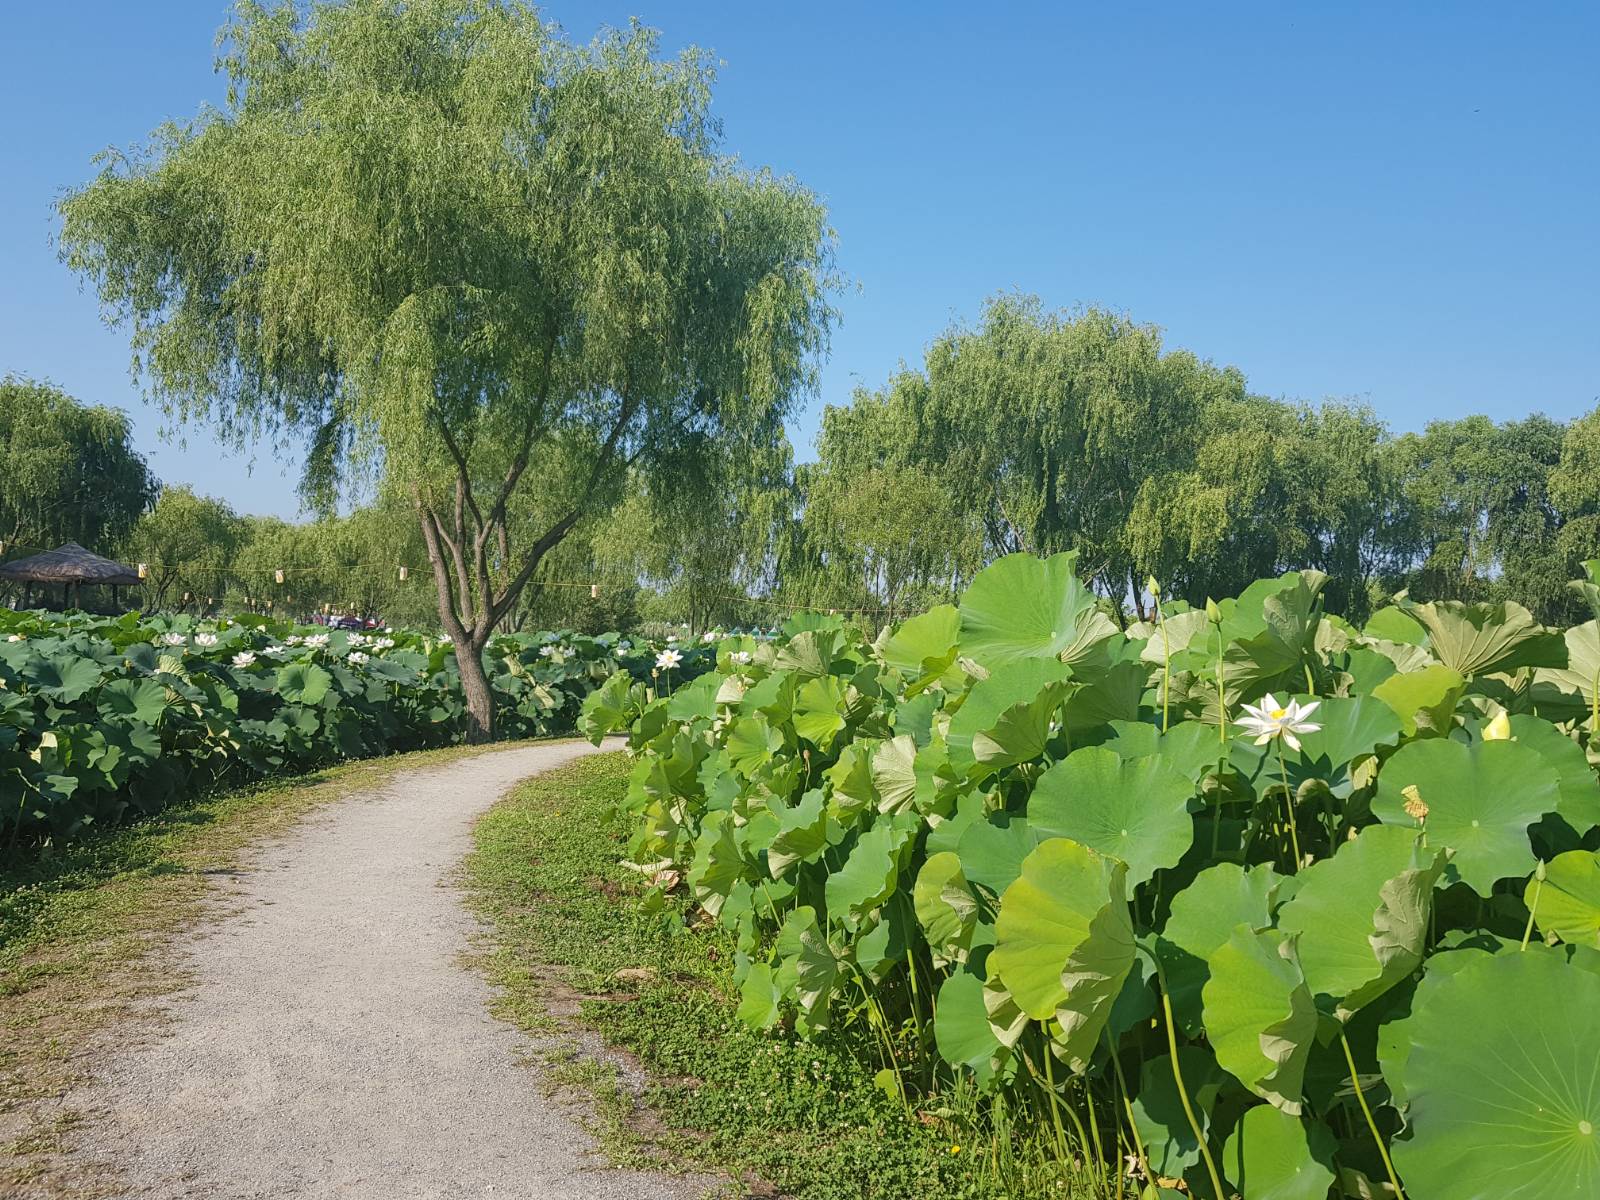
{"x": 1538, "y": 887}
{"x": 1166, "y": 662}
{"x": 1127, "y": 1107}
{"x": 1361, "y": 1099}
{"x": 1183, "y": 1092}
{"x": 1288, "y": 807}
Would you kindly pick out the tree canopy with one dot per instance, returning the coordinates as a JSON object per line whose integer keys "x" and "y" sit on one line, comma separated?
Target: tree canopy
{"x": 455, "y": 255}
{"x": 68, "y": 472}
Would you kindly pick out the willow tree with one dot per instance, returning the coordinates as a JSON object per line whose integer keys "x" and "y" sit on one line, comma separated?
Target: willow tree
{"x": 68, "y": 472}
{"x": 453, "y": 253}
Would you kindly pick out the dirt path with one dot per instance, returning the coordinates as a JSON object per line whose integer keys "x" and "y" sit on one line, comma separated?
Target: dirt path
{"x": 333, "y": 1044}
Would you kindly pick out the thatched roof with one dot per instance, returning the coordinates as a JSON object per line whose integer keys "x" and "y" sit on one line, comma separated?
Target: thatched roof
{"x": 70, "y": 563}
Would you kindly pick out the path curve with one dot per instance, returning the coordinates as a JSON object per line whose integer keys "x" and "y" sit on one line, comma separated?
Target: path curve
{"x": 333, "y": 1044}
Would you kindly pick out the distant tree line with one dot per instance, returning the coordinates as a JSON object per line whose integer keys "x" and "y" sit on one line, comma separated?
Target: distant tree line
{"x": 1027, "y": 430}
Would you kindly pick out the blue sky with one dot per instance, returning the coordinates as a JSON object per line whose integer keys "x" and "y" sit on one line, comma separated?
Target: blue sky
{"x": 1389, "y": 202}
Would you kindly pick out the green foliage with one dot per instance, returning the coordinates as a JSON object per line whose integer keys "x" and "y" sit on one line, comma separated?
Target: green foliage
{"x": 68, "y": 473}
{"x": 1052, "y": 861}
{"x": 102, "y": 719}
{"x": 449, "y": 251}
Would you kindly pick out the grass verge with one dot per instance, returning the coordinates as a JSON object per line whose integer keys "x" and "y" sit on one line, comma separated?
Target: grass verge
{"x": 772, "y": 1114}
{"x": 78, "y": 927}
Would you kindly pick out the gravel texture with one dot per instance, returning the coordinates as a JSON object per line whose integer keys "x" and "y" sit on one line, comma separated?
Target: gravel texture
{"x": 333, "y": 1043}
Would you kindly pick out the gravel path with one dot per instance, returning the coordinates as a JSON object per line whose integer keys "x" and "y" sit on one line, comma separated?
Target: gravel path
{"x": 333, "y": 1044}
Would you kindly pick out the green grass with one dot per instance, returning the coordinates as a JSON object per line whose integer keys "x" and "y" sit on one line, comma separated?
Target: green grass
{"x": 572, "y": 949}
{"x": 78, "y": 927}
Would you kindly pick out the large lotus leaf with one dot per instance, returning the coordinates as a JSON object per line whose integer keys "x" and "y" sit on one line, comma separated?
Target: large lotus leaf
{"x": 62, "y": 677}
{"x": 1482, "y": 639}
{"x": 1190, "y": 748}
{"x": 1110, "y": 693}
{"x": 851, "y": 789}
{"x": 1006, "y": 1019}
{"x": 961, "y": 1028}
{"x": 303, "y": 683}
{"x": 1203, "y": 917}
{"x": 1566, "y": 902}
{"x": 1271, "y": 1155}
{"x": 810, "y": 963}
{"x": 758, "y": 997}
{"x": 1170, "y": 1145}
{"x": 1481, "y": 799}
{"x": 808, "y": 653}
{"x": 751, "y": 744}
{"x": 1579, "y": 804}
{"x": 895, "y": 776}
{"x": 1394, "y": 1038}
{"x": 717, "y": 864}
{"x": 868, "y": 876}
{"x": 1260, "y": 1016}
{"x": 817, "y": 715}
{"x": 1580, "y": 677}
{"x": 884, "y": 937}
{"x": 1392, "y": 625}
{"x": 946, "y": 908}
{"x": 801, "y": 834}
{"x": 772, "y": 697}
{"x": 1362, "y": 916}
{"x": 1501, "y": 1078}
{"x": 1250, "y": 662}
{"x": 992, "y": 852}
{"x": 1021, "y": 606}
{"x": 1011, "y": 685}
{"x": 696, "y": 699}
{"x": 1133, "y": 810}
{"x": 923, "y": 646}
{"x": 1367, "y": 669}
{"x": 1425, "y": 698}
{"x": 1063, "y": 937}
{"x": 143, "y": 700}
{"x": 1173, "y": 636}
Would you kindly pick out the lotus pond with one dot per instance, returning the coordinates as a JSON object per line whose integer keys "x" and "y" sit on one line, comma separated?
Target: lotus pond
{"x": 1243, "y": 901}
{"x": 102, "y": 718}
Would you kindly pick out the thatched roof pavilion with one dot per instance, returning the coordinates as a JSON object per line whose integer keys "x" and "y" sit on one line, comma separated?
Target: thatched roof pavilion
{"x": 70, "y": 563}
{"x": 70, "y": 566}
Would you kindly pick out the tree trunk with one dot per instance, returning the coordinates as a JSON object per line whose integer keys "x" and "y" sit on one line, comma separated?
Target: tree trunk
{"x": 479, "y": 697}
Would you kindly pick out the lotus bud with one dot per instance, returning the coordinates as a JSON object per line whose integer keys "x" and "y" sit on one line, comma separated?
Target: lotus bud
{"x": 1151, "y": 586}
{"x": 1499, "y": 729}
{"x": 1213, "y": 613}
{"x": 277, "y": 576}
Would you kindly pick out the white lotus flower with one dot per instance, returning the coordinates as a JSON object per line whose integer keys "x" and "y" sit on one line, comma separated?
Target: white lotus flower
{"x": 173, "y": 639}
{"x": 15, "y": 637}
{"x": 383, "y": 644}
{"x": 205, "y": 639}
{"x": 547, "y": 651}
{"x": 739, "y": 656}
{"x": 244, "y": 658}
{"x": 1269, "y": 719}
{"x": 356, "y": 658}
{"x": 355, "y": 639}
{"x": 317, "y": 640}
{"x": 708, "y": 637}
{"x": 668, "y": 659}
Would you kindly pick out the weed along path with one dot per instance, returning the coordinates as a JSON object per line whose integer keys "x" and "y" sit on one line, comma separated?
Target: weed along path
{"x": 333, "y": 1043}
